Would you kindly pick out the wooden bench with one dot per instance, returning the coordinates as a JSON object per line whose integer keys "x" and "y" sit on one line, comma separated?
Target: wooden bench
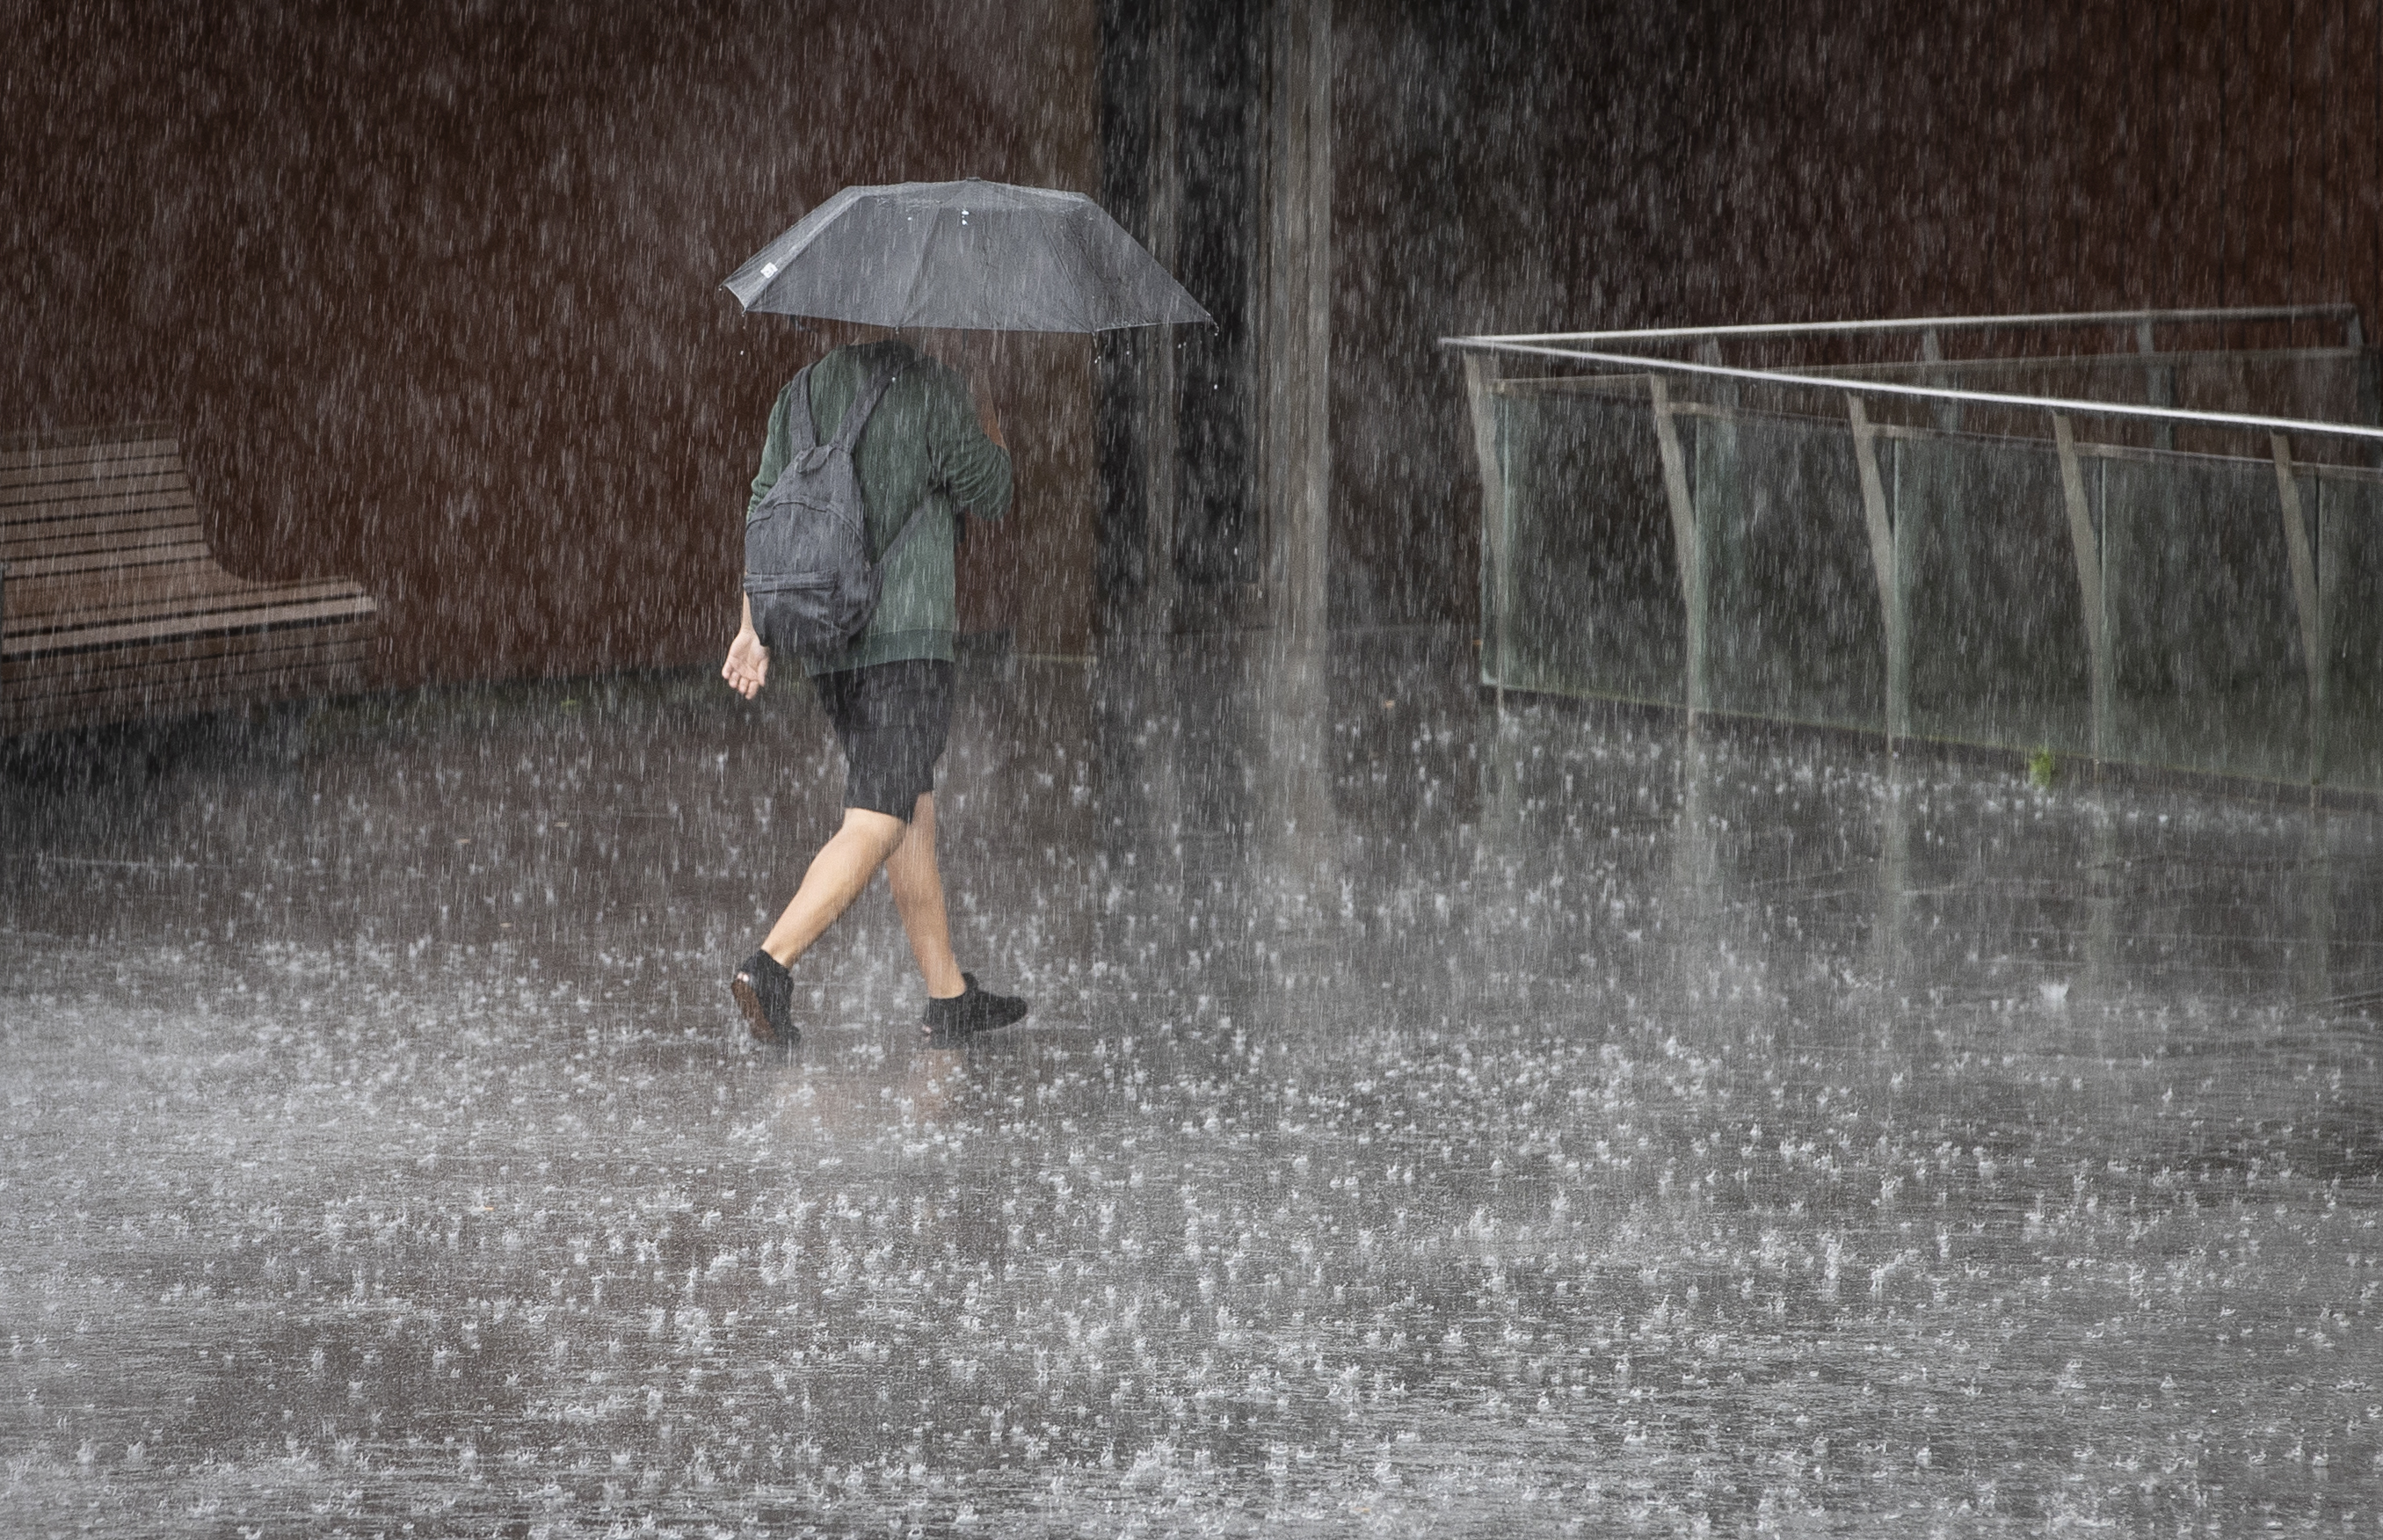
{"x": 113, "y": 609}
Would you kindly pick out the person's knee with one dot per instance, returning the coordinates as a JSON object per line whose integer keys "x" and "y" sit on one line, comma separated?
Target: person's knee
{"x": 884, "y": 831}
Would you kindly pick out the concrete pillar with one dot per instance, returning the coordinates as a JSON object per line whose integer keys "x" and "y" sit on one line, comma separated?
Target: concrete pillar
{"x": 1216, "y": 448}
{"x": 1142, "y": 187}
{"x": 1294, "y": 354}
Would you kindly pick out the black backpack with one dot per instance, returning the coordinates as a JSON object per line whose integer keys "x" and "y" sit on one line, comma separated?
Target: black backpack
{"x": 808, "y": 567}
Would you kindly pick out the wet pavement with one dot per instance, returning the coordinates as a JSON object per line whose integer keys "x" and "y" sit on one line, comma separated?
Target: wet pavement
{"x": 1430, "y": 1121}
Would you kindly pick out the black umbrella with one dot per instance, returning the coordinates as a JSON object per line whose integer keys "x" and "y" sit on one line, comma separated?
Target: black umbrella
{"x": 968, "y": 255}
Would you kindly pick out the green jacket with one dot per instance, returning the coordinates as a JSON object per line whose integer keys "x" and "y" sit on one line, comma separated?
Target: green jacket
{"x": 922, "y": 445}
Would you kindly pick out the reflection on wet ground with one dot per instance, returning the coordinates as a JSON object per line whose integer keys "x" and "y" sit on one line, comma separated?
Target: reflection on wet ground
{"x": 1428, "y": 1122}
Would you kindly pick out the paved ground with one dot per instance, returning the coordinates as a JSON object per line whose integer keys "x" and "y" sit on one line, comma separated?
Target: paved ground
{"x": 1576, "y": 1123}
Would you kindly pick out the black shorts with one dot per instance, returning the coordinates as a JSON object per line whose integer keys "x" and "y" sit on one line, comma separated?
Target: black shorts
{"x": 891, "y": 719}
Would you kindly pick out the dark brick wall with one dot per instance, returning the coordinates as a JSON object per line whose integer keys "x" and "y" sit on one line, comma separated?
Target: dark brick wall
{"x": 1530, "y": 165}
{"x": 430, "y": 287}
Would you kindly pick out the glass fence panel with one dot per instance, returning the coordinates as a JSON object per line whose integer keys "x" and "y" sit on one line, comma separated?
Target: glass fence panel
{"x": 1583, "y": 593}
{"x": 2350, "y": 581}
{"x": 2204, "y": 629}
{"x": 1796, "y": 629}
{"x": 1592, "y": 587}
{"x": 2000, "y": 654}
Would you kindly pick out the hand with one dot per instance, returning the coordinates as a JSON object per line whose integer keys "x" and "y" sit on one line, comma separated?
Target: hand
{"x": 748, "y": 664}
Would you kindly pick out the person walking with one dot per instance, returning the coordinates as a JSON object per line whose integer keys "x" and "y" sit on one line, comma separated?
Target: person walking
{"x": 934, "y": 449}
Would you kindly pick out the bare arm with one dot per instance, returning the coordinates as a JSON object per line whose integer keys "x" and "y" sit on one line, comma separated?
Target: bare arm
{"x": 748, "y": 661}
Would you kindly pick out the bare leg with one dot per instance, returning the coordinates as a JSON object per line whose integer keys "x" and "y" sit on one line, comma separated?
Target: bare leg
{"x": 836, "y": 875}
{"x": 917, "y": 885}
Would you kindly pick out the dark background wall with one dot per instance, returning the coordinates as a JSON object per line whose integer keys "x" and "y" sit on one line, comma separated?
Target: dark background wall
{"x": 429, "y": 289}
{"x": 1539, "y": 166}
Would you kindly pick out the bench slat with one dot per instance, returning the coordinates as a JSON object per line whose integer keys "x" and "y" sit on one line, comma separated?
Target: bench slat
{"x": 42, "y": 599}
{"x": 224, "y": 612}
{"x": 29, "y": 449}
{"x": 153, "y": 439}
{"x": 166, "y": 589}
{"x": 68, "y": 480}
{"x": 63, "y": 604}
{"x": 153, "y": 459}
{"x": 131, "y": 535}
{"x": 38, "y": 503}
{"x": 317, "y": 612}
{"x": 118, "y": 530}
{"x": 116, "y": 607}
{"x": 167, "y": 547}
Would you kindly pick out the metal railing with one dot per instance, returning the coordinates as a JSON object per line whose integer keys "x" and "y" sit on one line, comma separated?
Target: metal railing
{"x": 1923, "y": 558}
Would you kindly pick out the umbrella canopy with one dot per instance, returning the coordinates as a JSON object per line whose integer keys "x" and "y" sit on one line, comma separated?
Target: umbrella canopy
{"x": 971, "y": 255}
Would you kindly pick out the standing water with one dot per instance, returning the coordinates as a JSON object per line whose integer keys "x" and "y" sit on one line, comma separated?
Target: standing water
{"x": 1430, "y": 1121}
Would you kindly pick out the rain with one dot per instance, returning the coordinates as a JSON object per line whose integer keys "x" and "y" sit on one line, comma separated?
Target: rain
{"x": 1486, "y": 1076}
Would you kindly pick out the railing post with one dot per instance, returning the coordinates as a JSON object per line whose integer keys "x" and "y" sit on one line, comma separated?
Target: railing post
{"x": 1495, "y": 593}
{"x": 1948, "y": 414}
{"x": 1884, "y": 560}
{"x": 2301, "y": 553}
{"x": 1688, "y": 542}
{"x": 2159, "y": 386}
{"x": 2088, "y": 548}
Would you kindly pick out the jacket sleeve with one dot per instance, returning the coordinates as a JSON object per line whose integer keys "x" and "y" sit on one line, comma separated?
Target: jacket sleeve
{"x": 972, "y": 467}
{"x": 774, "y": 453}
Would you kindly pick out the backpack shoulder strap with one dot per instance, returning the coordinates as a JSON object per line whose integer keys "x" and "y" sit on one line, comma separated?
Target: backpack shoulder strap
{"x": 802, "y": 428}
{"x": 902, "y": 534}
{"x": 856, "y": 415}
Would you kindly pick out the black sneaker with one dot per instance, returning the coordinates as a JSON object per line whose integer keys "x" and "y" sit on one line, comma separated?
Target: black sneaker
{"x": 765, "y": 992}
{"x": 967, "y": 1014}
